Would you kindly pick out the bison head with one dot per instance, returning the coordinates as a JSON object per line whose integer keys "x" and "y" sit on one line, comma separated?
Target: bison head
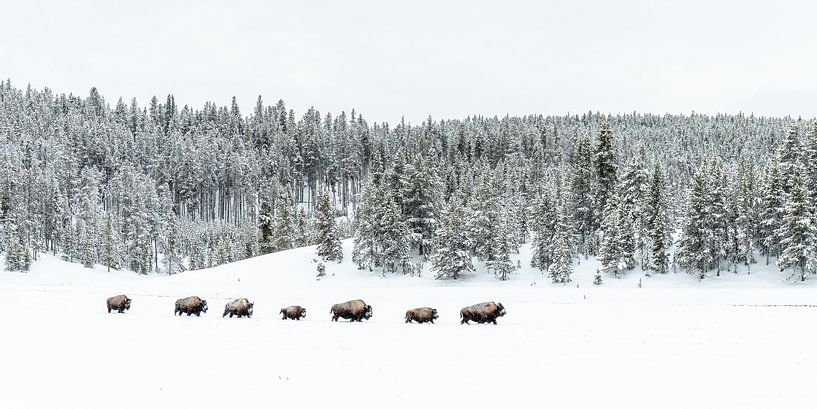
{"x": 127, "y": 303}
{"x": 203, "y": 306}
{"x": 367, "y": 312}
{"x": 303, "y": 312}
{"x": 249, "y": 309}
{"x": 434, "y": 314}
{"x": 500, "y": 309}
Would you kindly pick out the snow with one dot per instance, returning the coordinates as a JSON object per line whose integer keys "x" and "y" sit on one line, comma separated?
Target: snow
{"x": 675, "y": 343}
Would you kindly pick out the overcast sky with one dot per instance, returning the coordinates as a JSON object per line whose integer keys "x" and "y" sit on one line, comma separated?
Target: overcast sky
{"x": 447, "y": 59}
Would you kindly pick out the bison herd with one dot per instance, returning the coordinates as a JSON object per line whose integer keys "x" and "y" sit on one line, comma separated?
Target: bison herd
{"x": 353, "y": 310}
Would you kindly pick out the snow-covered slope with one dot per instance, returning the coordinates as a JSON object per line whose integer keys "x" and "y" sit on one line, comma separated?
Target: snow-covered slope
{"x": 676, "y": 342}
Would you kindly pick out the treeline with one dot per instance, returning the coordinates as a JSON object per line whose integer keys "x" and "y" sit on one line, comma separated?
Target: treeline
{"x": 167, "y": 188}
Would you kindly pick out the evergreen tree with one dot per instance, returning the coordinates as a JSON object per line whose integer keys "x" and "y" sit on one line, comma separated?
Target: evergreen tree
{"x": 544, "y": 230}
{"x": 500, "y": 262}
{"x": 284, "y": 234}
{"x": 563, "y": 259}
{"x": 395, "y": 241}
{"x": 658, "y": 223}
{"x": 772, "y": 211}
{"x": 329, "y": 245}
{"x": 368, "y": 227}
{"x": 798, "y": 232}
{"x": 606, "y": 170}
{"x": 694, "y": 251}
{"x": 581, "y": 193}
{"x": 452, "y": 257}
{"x": 421, "y": 201}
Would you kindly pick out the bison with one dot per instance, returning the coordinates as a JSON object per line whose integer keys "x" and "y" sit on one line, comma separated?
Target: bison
{"x": 120, "y": 303}
{"x": 421, "y": 315}
{"x": 354, "y": 310}
{"x": 190, "y": 305}
{"x": 482, "y": 313}
{"x": 295, "y": 312}
{"x": 240, "y": 307}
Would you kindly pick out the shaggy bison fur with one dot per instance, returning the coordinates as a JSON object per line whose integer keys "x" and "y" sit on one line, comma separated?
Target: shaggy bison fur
{"x": 295, "y": 312}
{"x": 240, "y": 307}
{"x": 190, "y": 305}
{"x": 354, "y": 310}
{"x": 482, "y": 313}
{"x": 119, "y": 303}
{"x": 421, "y": 315}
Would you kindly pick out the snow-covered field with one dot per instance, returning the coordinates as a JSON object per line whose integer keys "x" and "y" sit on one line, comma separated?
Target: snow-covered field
{"x": 675, "y": 343}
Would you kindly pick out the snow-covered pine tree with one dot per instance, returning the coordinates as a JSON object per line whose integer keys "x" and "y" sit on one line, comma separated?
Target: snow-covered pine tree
{"x": 544, "y": 228}
{"x": 395, "y": 241}
{"x": 284, "y": 234}
{"x": 266, "y": 223}
{"x": 452, "y": 257}
{"x": 367, "y": 251}
{"x": 694, "y": 251}
{"x": 716, "y": 217}
{"x": 486, "y": 211}
{"x": 563, "y": 258}
{"x": 111, "y": 247}
{"x": 326, "y": 234}
{"x": 581, "y": 193}
{"x": 658, "y": 228}
{"x": 746, "y": 221}
{"x": 606, "y": 169}
{"x": 500, "y": 263}
{"x": 798, "y": 233}
{"x": 788, "y": 155}
{"x": 772, "y": 210}
{"x": 633, "y": 188}
{"x": 421, "y": 201}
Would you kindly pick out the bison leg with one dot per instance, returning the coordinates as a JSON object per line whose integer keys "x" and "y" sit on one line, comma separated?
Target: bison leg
{"x": 298, "y": 318}
{"x": 109, "y": 310}
{"x": 334, "y": 318}
{"x": 408, "y": 320}
{"x": 198, "y": 313}
{"x": 122, "y": 311}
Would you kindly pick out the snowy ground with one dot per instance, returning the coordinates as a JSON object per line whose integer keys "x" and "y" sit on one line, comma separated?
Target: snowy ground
{"x": 675, "y": 343}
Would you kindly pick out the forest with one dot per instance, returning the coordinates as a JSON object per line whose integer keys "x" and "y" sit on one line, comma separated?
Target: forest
{"x": 164, "y": 189}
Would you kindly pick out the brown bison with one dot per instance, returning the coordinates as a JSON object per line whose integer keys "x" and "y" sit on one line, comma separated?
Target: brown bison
{"x": 295, "y": 312}
{"x": 421, "y": 315}
{"x": 482, "y": 313}
{"x": 120, "y": 303}
{"x": 190, "y": 305}
{"x": 240, "y": 307}
{"x": 354, "y": 310}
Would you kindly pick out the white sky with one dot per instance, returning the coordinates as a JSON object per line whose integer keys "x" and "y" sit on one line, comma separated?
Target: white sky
{"x": 447, "y": 59}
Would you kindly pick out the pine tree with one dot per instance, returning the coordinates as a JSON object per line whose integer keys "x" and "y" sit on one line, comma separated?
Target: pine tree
{"x": 606, "y": 170}
{"x": 581, "y": 189}
{"x": 658, "y": 223}
{"x": 694, "y": 251}
{"x": 745, "y": 221}
{"x": 326, "y": 235}
{"x": 111, "y": 253}
{"x": 284, "y": 235}
{"x": 500, "y": 263}
{"x": 396, "y": 241}
{"x": 772, "y": 210}
{"x": 563, "y": 259}
{"x": 544, "y": 229}
{"x": 266, "y": 223}
{"x": 798, "y": 232}
{"x": 452, "y": 258}
{"x": 367, "y": 251}
{"x": 421, "y": 201}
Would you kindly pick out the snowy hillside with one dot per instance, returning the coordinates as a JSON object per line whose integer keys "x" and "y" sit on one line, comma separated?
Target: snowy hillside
{"x": 675, "y": 341}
